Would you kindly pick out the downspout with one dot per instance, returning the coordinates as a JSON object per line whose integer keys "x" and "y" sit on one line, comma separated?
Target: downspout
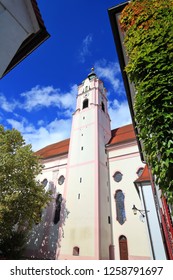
{"x": 148, "y": 225}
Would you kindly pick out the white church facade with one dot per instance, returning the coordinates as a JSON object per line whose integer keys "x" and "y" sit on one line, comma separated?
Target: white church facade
{"x": 92, "y": 176}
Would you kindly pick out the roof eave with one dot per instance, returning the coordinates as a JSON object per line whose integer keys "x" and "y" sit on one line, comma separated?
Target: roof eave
{"x": 53, "y": 156}
{"x": 31, "y": 43}
{"x": 121, "y": 143}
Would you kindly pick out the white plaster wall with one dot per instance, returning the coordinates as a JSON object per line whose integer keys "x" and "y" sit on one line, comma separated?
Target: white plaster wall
{"x": 43, "y": 240}
{"x": 126, "y": 149}
{"x": 104, "y": 203}
{"x": 80, "y": 225}
{"x": 54, "y": 163}
{"x": 77, "y": 155}
{"x": 84, "y": 118}
{"x": 153, "y": 223}
{"x": 105, "y": 214}
{"x": 133, "y": 228}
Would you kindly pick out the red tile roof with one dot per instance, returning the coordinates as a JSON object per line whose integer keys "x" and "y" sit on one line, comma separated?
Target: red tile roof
{"x": 55, "y": 149}
{"x": 119, "y": 135}
{"x": 145, "y": 176}
{"x": 122, "y": 134}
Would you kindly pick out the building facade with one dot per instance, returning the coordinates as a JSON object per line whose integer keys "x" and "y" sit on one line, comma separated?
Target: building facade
{"x": 92, "y": 176}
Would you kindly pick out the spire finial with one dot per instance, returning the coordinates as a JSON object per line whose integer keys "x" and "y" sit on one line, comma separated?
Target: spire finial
{"x": 92, "y": 74}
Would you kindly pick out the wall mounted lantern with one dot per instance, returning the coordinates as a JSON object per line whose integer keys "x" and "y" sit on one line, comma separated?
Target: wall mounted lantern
{"x": 135, "y": 210}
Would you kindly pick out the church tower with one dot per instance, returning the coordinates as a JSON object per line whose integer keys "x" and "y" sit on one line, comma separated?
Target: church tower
{"x": 87, "y": 232}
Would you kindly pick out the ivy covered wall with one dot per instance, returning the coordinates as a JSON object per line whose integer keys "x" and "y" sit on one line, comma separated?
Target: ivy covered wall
{"x": 148, "y": 29}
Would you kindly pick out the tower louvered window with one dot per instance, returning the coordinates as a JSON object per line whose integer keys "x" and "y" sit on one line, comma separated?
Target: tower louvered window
{"x": 85, "y": 103}
{"x": 103, "y": 107}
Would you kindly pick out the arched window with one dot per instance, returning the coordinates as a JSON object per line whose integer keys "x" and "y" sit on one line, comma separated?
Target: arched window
{"x": 76, "y": 251}
{"x": 120, "y": 209}
{"x": 103, "y": 107}
{"x": 85, "y": 103}
{"x": 57, "y": 208}
{"x": 44, "y": 182}
{"x": 123, "y": 248}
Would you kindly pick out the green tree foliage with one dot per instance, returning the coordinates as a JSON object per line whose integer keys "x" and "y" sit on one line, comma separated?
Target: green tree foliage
{"x": 13, "y": 246}
{"x": 148, "y": 31}
{"x": 22, "y": 197}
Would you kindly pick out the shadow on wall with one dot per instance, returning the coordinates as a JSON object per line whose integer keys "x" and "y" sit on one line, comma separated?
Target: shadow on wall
{"x": 45, "y": 238}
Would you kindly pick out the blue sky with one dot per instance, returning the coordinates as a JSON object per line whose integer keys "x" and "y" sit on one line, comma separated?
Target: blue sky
{"x": 38, "y": 96}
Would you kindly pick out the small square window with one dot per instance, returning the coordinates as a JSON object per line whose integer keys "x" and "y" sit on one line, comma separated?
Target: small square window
{"x": 76, "y": 251}
{"x": 109, "y": 219}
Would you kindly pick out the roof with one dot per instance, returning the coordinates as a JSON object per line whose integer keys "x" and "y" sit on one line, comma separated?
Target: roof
{"x": 145, "y": 176}
{"x": 31, "y": 42}
{"x": 55, "y": 149}
{"x": 119, "y": 135}
{"x": 122, "y": 134}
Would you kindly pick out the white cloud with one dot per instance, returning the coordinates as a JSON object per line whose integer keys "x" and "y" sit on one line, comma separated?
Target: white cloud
{"x": 118, "y": 110}
{"x": 23, "y": 126}
{"x": 55, "y": 131}
{"x": 110, "y": 71}
{"x": 40, "y": 122}
{"x": 39, "y": 97}
{"x": 6, "y": 105}
{"x": 59, "y": 129}
{"x": 41, "y": 134}
{"x": 119, "y": 113}
{"x": 85, "y": 51}
{"x": 16, "y": 124}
